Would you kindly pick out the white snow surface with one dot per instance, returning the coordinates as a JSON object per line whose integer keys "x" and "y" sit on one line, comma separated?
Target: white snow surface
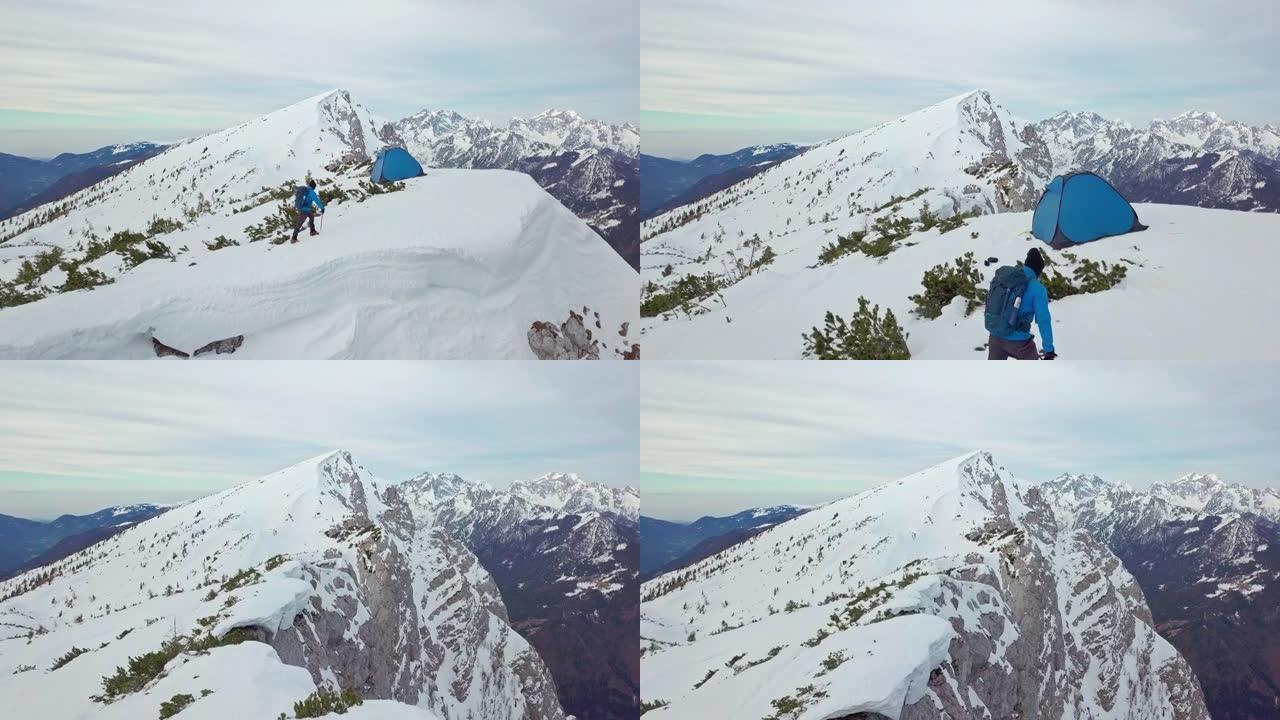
{"x": 1192, "y": 271}
{"x": 1187, "y": 276}
{"x": 163, "y": 577}
{"x": 708, "y": 639}
{"x": 459, "y": 264}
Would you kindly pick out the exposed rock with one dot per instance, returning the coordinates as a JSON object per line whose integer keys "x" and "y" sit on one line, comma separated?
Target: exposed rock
{"x": 571, "y": 340}
{"x": 223, "y": 346}
{"x": 163, "y": 350}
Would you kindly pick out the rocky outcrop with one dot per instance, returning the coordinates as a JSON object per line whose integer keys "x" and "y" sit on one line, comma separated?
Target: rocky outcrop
{"x": 1042, "y": 622}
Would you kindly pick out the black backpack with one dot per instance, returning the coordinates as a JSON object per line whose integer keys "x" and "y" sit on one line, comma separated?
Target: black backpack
{"x": 300, "y": 198}
{"x": 1003, "y": 300}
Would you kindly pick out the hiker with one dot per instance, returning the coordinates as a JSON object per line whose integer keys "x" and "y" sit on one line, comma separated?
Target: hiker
{"x": 305, "y": 199}
{"x": 1015, "y": 297}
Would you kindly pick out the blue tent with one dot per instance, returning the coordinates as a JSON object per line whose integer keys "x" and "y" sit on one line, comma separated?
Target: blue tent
{"x": 394, "y": 163}
{"x": 1079, "y": 207}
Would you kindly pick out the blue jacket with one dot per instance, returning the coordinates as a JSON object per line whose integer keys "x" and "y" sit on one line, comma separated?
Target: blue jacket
{"x": 312, "y": 199}
{"x": 1035, "y": 302}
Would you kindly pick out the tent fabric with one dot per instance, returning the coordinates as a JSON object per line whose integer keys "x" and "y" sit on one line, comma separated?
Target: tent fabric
{"x": 394, "y": 163}
{"x": 1082, "y": 207}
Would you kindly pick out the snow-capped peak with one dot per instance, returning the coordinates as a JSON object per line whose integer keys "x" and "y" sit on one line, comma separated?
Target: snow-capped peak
{"x": 878, "y": 603}
{"x": 441, "y": 486}
{"x": 567, "y": 492}
{"x": 327, "y": 570}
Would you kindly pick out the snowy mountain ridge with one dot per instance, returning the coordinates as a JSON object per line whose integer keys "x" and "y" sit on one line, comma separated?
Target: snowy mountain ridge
{"x": 319, "y": 574}
{"x": 185, "y": 246}
{"x": 954, "y": 592}
{"x": 565, "y": 554}
{"x": 587, "y": 164}
{"x": 1208, "y": 563}
{"x": 746, "y": 272}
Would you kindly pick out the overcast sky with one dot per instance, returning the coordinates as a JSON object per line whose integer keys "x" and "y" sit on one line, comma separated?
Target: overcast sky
{"x": 759, "y": 71}
{"x": 76, "y": 437}
{"x": 80, "y": 74}
{"x": 717, "y": 438}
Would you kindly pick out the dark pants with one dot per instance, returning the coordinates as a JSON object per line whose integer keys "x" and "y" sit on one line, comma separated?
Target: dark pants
{"x": 304, "y": 217}
{"x": 1001, "y": 349}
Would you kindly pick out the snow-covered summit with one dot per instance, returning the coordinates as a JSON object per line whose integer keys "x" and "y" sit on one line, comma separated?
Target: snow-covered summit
{"x": 182, "y": 246}
{"x": 1208, "y": 493}
{"x": 326, "y": 577}
{"x": 953, "y": 592}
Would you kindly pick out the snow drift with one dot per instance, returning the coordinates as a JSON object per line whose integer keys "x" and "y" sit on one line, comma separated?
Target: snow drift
{"x": 456, "y": 264}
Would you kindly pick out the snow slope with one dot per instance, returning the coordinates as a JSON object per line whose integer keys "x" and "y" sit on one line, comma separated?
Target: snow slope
{"x": 1187, "y": 276}
{"x": 325, "y": 566}
{"x": 1191, "y": 274}
{"x": 428, "y": 272}
{"x": 457, "y": 264}
{"x": 952, "y": 593}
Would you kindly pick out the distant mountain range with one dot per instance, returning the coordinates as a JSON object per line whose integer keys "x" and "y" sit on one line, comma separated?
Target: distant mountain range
{"x": 588, "y": 165}
{"x": 26, "y": 183}
{"x": 666, "y": 545}
{"x": 666, "y": 183}
{"x": 25, "y": 544}
{"x": 563, "y": 552}
{"x": 1206, "y": 554}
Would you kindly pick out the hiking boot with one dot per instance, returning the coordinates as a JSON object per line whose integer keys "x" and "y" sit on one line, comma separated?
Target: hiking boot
{"x": 294, "y": 239}
{"x": 314, "y": 233}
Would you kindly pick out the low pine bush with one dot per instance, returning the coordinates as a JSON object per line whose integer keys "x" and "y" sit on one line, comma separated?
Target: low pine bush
{"x": 943, "y": 283}
{"x": 866, "y": 336}
{"x": 175, "y": 705}
{"x": 325, "y": 701}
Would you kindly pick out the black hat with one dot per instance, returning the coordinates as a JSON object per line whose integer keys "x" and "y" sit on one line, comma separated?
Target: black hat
{"x": 1034, "y": 261}
{"x": 311, "y": 184}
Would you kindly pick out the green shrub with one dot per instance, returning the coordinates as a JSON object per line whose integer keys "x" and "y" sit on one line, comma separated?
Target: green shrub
{"x": 82, "y": 278}
{"x": 142, "y": 670}
{"x": 11, "y": 295}
{"x": 220, "y": 242}
{"x": 274, "y": 225}
{"x": 145, "y": 668}
{"x": 72, "y": 654}
{"x": 333, "y": 193}
{"x": 834, "y": 660}
{"x": 31, "y": 272}
{"x": 865, "y": 337}
{"x": 842, "y": 246}
{"x": 325, "y": 701}
{"x": 943, "y": 283}
{"x": 174, "y": 705}
{"x": 892, "y": 227}
{"x": 927, "y": 218}
{"x": 946, "y": 225}
{"x": 372, "y": 188}
{"x": 647, "y": 705}
{"x": 1090, "y": 277}
{"x": 161, "y": 226}
{"x": 274, "y": 562}
{"x": 247, "y": 576}
{"x": 687, "y": 289}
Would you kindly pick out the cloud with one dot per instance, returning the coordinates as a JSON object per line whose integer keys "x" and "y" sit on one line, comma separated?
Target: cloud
{"x": 156, "y": 429}
{"x": 824, "y": 63}
{"x": 137, "y": 63}
{"x": 723, "y": 436}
